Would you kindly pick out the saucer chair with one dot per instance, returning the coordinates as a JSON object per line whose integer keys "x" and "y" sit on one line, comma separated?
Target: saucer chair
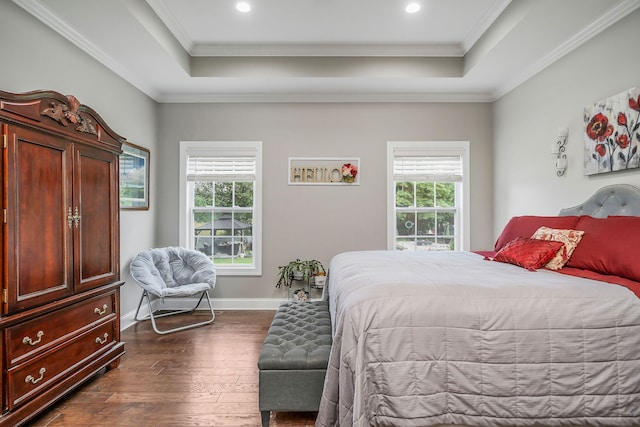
{"x": 173, "y": 272}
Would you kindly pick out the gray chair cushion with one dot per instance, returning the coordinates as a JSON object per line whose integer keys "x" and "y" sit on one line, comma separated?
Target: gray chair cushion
{"x": 173, "y": 271}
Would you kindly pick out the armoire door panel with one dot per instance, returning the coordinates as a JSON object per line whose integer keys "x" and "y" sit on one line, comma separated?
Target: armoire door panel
{"x": 96, "y": 242}
{"x": 39, "y": 236}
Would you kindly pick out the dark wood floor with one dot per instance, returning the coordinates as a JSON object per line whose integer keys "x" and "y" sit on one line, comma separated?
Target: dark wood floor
{"x": 206, "y": 376}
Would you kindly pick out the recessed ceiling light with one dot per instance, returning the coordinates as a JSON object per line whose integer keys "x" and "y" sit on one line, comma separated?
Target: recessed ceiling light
{"x": 412, "y": 7}
{"x": 243, "y": 6}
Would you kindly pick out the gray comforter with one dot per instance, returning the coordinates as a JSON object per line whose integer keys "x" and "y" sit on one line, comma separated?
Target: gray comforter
{"x": 423, "y": 339}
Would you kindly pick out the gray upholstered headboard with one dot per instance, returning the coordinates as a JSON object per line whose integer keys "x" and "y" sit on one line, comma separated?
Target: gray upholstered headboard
{"x": 618, "y": 199}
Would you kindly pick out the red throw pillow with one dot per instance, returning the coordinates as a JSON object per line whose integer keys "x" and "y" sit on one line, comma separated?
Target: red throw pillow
{"x": 569, "y": 238}
{"x": 525, "y": 226}
{"x": 609, "y": 246}
{"x": 528, "y": 253}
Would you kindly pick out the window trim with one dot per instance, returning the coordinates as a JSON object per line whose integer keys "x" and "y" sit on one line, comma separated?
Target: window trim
{"x": 229, "y": 148}
{"x": 441, "y": 148}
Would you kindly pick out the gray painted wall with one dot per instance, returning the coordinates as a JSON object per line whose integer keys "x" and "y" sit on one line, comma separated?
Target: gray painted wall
{"x": 321, "y": 221}
{"x": 35, "y": 57}
{"x": 512, "y": 169}
{"x": 527, "y": 119}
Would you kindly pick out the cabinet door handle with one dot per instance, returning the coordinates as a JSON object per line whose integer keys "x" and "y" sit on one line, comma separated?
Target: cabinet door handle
{"x": 102, "y": 341}
{"x": 32, "y": 380}
{"x": 27, "y": 340}
{"x": 70, "y": 217}
{"x": 76, "y": 217}
{"x": 101, "y": 312}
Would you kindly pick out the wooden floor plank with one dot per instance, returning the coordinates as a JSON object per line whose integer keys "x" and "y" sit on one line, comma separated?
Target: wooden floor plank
{"x": 206, "y": 376}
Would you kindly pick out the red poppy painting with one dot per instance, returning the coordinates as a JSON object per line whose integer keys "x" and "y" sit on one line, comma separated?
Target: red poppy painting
{"x": 612, "y": 133}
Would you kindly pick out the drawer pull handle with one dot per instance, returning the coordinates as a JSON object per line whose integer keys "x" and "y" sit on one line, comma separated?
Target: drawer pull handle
{"x": 101, "y": 312}
{"x": 99, "y": 341}
{"x": 30, "y": 379}
{"x": 27, "y": 340}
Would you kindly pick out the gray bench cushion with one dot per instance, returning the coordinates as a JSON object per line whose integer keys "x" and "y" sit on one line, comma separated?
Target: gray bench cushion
{"x": 299, "y": 337}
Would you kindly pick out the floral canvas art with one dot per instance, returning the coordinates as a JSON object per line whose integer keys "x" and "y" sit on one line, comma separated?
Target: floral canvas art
{"x": 611, "y": 133}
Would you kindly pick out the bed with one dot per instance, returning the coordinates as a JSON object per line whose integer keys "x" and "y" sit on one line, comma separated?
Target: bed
{"x": 457, "y": 338}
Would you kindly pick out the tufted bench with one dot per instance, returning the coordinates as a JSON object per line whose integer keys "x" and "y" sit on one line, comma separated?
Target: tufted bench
{"x": 293, "y": 360}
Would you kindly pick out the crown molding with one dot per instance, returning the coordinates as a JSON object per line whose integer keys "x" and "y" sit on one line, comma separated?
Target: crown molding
{"x": 41, "y": 12}
{"x": 323, "y": 97}
{"x": 483, "y": 25}
{"x": 172, "y": 25}
{"x": 615, "y": 14}
{"x": 308, "y": 50}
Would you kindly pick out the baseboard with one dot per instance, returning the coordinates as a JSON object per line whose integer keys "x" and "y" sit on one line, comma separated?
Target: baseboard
{"x": 128, "y": 319}
{"x": 246, "y": 303}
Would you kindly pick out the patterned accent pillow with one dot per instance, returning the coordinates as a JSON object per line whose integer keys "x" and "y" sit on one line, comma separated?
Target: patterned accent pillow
{"x": 528, "y": 253}
{"x": 570, "y": 238}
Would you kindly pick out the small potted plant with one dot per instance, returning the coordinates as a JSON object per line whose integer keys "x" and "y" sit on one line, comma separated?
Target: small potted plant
{"x": 298, "y": 270}
{"x": 321, "y": 278}
{"x": 288, "y": 273}
{"x": 312, "y": 268}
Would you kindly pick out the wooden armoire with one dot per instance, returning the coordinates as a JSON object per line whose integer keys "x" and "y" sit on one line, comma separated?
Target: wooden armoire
{"x": 60, "y": 253}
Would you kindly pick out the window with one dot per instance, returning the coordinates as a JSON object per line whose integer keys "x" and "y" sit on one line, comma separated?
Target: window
{"x": 427, "y": 195}
{"x": 220, "y": 203}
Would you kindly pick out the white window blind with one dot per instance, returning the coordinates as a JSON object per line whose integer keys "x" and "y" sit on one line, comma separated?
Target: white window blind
{"x": 215, "y": 168}
{"x": 427, "y": 168}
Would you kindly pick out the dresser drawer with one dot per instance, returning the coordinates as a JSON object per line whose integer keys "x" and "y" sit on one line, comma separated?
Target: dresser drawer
{"x": 29, "y": 338}
{"x": 30, "y": 378}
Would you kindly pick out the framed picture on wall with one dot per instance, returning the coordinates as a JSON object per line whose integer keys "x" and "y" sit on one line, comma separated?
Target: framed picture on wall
{"x": 134, "y": 177}
{"x": 611, "y": 133}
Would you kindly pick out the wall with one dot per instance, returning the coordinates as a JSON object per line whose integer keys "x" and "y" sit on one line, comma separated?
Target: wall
{"x": 36, "y": 57}
{"x": 320, "y": 221}
{"x": 527, "y": 119}
{"x": 298, "y": 221}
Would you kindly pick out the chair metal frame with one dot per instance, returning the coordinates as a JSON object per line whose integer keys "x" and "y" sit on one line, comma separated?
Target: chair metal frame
{"x": 153, "y": 317}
